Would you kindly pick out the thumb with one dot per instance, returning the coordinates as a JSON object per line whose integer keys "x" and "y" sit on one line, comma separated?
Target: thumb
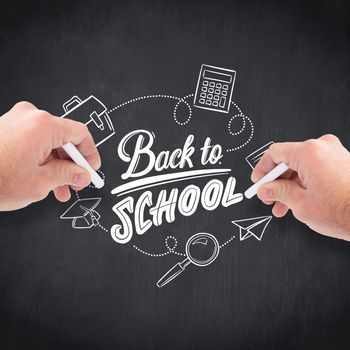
{"x": 60, "y": 172}
{"x": 285, "y": 191}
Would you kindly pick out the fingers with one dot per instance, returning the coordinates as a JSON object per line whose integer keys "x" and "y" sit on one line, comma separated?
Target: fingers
{"x": 61, "y": 154}
{"x": 258, "y": 173}
{"x": 23, "y": 106}
{"x": 58, "y": 131}
{"x": 286, "y": 152}
{"x": 289, "y": 153}
{"x": 77, "y": 133}
{"x": 57, "y": 173}
{"x": 264, "y": 165}
{"x": 279, "y": 209}
{"x": 62, "y": 193}
{"x": 288, "y": 192}
{"x": 331, "y": 139}
{"x": 63, "y": 130}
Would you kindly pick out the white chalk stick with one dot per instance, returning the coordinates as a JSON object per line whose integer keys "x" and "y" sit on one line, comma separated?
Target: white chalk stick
{"x": 275, "y": 173}
{"x": 79, "y": 159}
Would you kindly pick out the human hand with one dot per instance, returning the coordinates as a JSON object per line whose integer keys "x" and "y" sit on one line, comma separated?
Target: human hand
{"x": 317, "y": 186}
{"x": 32, "y": 162}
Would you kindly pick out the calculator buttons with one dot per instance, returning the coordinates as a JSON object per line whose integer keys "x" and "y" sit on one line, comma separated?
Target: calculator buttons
{"x": 214, "y": 88}
{"x": 222, "y": 102}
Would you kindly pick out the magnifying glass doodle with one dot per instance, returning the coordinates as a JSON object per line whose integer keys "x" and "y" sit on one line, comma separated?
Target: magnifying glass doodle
{"x": 201, "y": 250}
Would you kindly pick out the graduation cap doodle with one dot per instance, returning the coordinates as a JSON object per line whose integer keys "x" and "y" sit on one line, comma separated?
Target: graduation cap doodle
{"x": 83, "y": 213}
{"x": 252, "y": 227}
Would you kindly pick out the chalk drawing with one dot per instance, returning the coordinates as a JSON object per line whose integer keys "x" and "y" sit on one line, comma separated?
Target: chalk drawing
{"x": 252, "y": 227}
{"x": 201, "y": 250}
{"x": 214, "y": 88}
{"x": 82, "y": 213}
{"x": 170, "y": 244}
{"x": 213, "y": 92}
{"x": 93, "y": 113}
{"x": 254, "y": 157}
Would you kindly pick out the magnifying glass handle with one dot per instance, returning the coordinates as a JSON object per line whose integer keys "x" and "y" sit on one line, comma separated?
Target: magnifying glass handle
{"x": 173, "y": 272}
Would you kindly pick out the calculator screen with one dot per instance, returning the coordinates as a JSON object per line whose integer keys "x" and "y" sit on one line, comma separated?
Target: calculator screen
{"x": 209, "y": 74}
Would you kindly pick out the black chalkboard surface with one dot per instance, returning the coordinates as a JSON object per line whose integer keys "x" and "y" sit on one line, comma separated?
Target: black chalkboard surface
{"x": 182, "y": 99}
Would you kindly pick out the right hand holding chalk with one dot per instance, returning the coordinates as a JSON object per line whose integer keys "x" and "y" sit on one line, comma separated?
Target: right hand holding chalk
{"x": 317, "y": 186}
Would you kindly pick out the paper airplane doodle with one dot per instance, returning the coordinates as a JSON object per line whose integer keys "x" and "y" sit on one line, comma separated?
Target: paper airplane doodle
{"x": 83, "y": 213}
{"x": 252, "y": 227}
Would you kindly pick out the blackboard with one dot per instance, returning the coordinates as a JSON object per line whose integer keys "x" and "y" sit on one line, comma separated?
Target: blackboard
{"x": 78, "y": 288}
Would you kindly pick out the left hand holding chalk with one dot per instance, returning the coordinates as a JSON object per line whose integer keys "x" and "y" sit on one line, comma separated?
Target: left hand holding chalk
{"x": 32, "y": 159}
{"x": 79, "y": 159}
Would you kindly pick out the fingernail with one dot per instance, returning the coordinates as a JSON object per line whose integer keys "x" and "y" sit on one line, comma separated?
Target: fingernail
{"x": 81, "y": 180}
{"x": 265, "y": 194}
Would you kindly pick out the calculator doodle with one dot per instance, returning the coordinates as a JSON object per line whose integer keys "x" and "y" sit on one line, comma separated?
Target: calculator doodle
{"x": 214, "y": 88}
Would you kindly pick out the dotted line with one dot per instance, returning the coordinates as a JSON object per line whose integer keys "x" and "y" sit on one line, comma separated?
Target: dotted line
{"x": 230, "y": 122}
{"x": 240, "y": 114}
{"x": 175, "y": 111}
{"x": 150, "y": 254}
{"x": 179, "y": 100}
{"x": 77, "y": 194}
{"x": 180, "y": 254}
{"x": 238, "y": 109}
{"x": 248, "y": 140}
{"x": 102, "y": 175}
{"x": 235, "y": 133}
{"x": 183, "y": 100}
{"x": 187, "y": 96}
{"x": 228, "y": 241}
{"x": 103, "y": 228}
{"x": 141, "y": 98}
{"x": 171, "y": 250}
